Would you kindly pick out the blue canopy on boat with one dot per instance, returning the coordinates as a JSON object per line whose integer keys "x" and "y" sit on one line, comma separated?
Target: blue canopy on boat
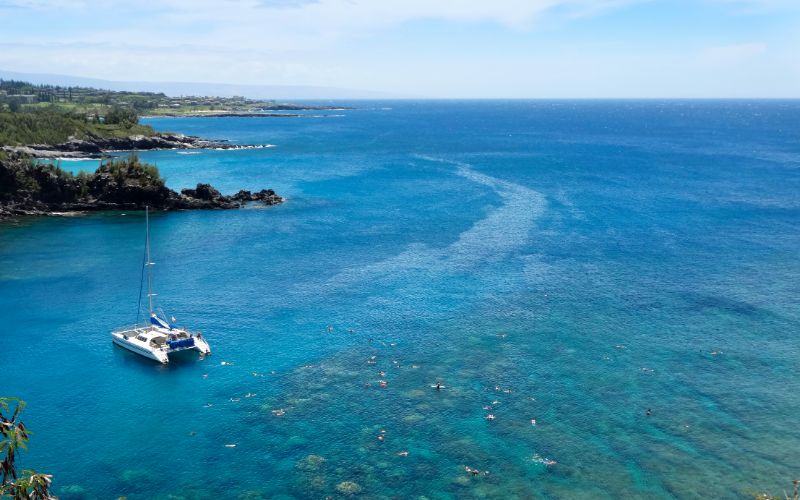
{"x": 175, "y": 344}
{"x": 159, "y": 322}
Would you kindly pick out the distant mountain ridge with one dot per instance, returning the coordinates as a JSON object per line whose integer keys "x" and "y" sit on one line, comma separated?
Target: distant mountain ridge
{"x": 276, "y": 92}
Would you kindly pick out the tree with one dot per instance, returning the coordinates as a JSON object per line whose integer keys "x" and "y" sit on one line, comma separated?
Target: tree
{"x": 118, "y": 115}
{"x": 29, "y": 484}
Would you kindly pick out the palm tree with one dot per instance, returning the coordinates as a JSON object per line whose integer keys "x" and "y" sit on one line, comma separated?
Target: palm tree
{"x": 29, "y": 485}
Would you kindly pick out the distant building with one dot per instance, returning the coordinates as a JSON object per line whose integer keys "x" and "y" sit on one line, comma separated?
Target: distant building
{"x": 24, "y": 98}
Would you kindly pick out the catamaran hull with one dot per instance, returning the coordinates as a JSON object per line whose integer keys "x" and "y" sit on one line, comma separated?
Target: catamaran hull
{"x": 201, "y": 345}
{"x": 157, "y": 354}
{"x": 132, "y": 346}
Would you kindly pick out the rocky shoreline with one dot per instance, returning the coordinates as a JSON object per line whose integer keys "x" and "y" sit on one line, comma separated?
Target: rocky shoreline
{"x": 98, "y": 147}
{"x": 225, "y": 114}
{"x": 203, "y": 197}
{"x": 31, "y": 188}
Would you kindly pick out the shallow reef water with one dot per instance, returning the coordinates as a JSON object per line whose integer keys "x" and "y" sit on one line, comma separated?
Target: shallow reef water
{"x": 606, "y": 292}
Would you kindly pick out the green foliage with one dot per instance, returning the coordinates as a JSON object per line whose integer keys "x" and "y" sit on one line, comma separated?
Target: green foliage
{"x": 16, "y": 177}
{"x": 51, "y": 125}
{"x": 81, "y": 95}
{"x": 22, "y": 178}
{"x": 131, "y": 171}
{"x": 28, "y": 484}
{"x": 118, "y": 115}
{"x": 88, "y": 100}
{"x": 83, "y": 182}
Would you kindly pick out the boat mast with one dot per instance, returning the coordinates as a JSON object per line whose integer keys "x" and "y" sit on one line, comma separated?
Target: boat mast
{"x": 150, "y": 293}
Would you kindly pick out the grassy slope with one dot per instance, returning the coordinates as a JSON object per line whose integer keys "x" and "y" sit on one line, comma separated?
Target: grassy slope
{"x": 56, "y": 126}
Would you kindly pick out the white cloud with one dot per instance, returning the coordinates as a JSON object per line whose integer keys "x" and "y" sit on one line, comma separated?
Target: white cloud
{"x": 501, "y": 48}
{"x": 247, "y": 40}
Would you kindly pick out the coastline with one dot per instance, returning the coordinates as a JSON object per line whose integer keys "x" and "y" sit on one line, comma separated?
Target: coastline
{"x": 96, "y": 148}
{"x": 223, "y": 114}
{"x": 262, "y": 112}
{"x": 31, "y": 188}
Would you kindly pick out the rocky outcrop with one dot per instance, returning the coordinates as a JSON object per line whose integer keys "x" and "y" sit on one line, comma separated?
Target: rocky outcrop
{"x": 30, "y": 188}
{"x": 266, "y": 196}
{"x": 94, "y": 147}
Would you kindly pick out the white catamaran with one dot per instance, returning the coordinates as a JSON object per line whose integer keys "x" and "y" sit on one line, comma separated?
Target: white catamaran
{"x": 160, "y": 338}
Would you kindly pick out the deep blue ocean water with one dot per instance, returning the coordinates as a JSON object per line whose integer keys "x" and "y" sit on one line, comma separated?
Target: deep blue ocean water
{"x": 572, "y": 262}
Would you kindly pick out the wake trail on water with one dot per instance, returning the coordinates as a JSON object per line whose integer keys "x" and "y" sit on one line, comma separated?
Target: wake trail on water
{"x": 503, "y": 231}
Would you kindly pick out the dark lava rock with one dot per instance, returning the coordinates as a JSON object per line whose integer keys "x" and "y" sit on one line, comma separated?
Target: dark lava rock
{"x": 31, "y": 188}
{"x": 202, "y": 192}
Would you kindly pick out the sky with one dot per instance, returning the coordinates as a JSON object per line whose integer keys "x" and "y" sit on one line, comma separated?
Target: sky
{"x": 420, "y": 48}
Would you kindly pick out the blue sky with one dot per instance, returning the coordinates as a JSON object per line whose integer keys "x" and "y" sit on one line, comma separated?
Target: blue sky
{"x": 430, "y": 48}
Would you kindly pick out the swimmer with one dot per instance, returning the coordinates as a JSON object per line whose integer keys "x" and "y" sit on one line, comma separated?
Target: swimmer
{"x": 329, "y": 328}
{"x": 381, "y": 373}
{"x": 402, "y": 453}
{"x": 193, "y": 433}
{"x": 226, "y": 363}
{"x": 205, "y": 375}
{"x": 250, "y": 395}
{"x": 230, "y": 445}
{"x": 487, "y": 408}
{"x": 235, "y": 400}
{"x": 380, "y": 437}
{"x": 383, "y": 383}
{"x": 543, "y": 460}
{"x": 207, "y": 405}
{"x": 490, "y": 416}
{"x": 533, "y": 422}
{"x": 648, "y": 412}
{"x": 279, "y": 412}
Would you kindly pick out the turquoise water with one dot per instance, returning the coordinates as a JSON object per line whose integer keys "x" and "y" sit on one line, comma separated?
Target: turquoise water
{"x": 572, "y": 262}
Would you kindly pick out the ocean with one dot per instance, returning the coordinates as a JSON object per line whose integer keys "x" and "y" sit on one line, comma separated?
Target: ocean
{"x": 616, "y": 283}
